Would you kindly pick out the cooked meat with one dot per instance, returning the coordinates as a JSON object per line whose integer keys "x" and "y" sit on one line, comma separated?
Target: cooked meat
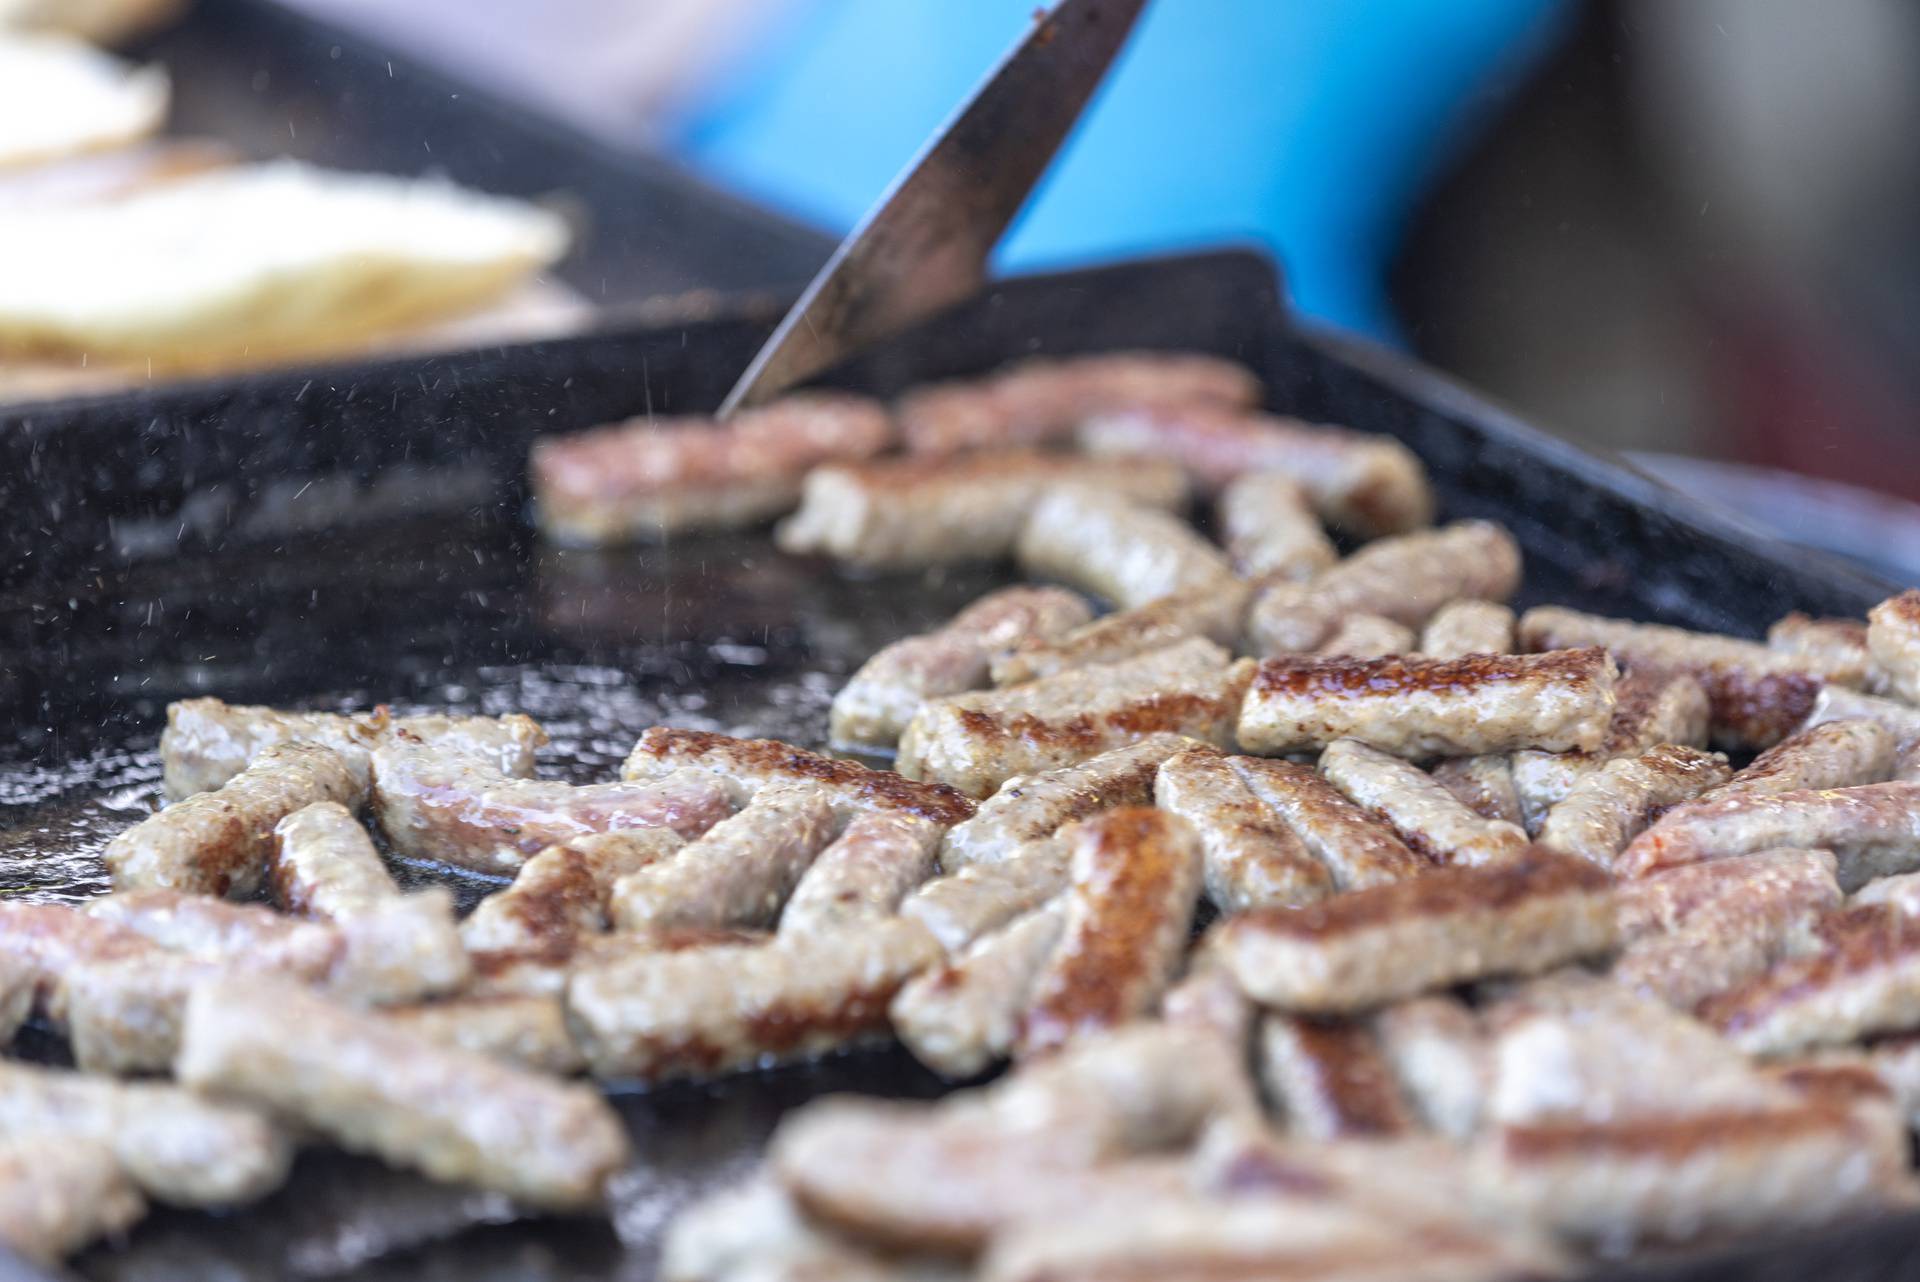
{"x": 1252, "y": 856}
{"x": 1865, "y": 980}
{"x": 1896, "y": 1061}
{"x": 1838, "y": 646}
{"x": 1837, "y": 703}
{"x": 874, "y": 707}
{"x": 1431, "y": 707}
{"x": 220, "y": 842}
{"x": 1268, "y": 524}
{"x": 1421, "y": 810}
{"x": 1367, "y": 636}
{"x": 1649, "y": 709}
{"x": 1611, "y": 806}
{"x": 647, "y": 477}
{"x": 962, "y": 906}
{"x": 1370, "y": 947}
{"x": 1133, "y": 883}
{"x": 739, "y": 874}
{"x": 374, "y": 1087}
{"x": 1833, "y": 754}
{"x": 1405, "y": 579}
{"x": 1441, "y": 1058}
{"x": 208, "y": 742}
{"x": 1725, "y": 933}
{"x": 873, "y": 865}
{"x": 1041, "y": 400}
{"x": 50, "y": 943}
{"x": 1125, "y": 552}
{"x": 1213, "y": 611}
{"x": 397, "y": 947}
{"x": 542, "y": 974}
{"x": 754, "y": 763}
{"x": 439, "y": 805}
{"x": 19, "y": 985}
{"x": 1676, "y": 897}
{"x": 177, "y": 1147}
{"x": 961, "y": 1017}
{"x": 904, "y": 514}
{"x": 1360, "y": 850}
{"x": 694, "y": 1013}
{"x": 125, "y": 1016}
{"x": 1757, "y": 696}
{"x": 1029, "y": 807}
{"x": 1365, "y": 484}
{"x": 1208, "y": 999}
{"x": 1902, "y": 892}
{"x": 1460, "y": 628}
{"x": 217, "y": 930}
{"x": 1329, "y": 1079}
{"x": 1482, "y": 784}
{"x": 563, "y": 892}
{"x": 57, "y": 1194}
{"x": 1893, "y": 639}
{"x": 1703, "y": 1175}
{"x": 1873, "y": 830}
{"x": 528, "y": 1031}
{"x": 752, "y": 1230}
{"x": 976, "y": 742}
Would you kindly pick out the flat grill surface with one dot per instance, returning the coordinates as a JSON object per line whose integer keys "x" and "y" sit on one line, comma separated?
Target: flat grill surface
{"x": 453, "y": 604}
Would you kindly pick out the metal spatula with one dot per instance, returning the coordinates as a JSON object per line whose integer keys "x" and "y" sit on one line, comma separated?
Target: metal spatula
{"x": 924, "y": 247}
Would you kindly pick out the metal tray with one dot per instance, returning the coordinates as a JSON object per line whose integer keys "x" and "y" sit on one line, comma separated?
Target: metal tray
{"x": 357, "y": 535}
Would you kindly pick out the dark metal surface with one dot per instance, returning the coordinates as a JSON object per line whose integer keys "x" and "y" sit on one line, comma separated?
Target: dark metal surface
{"x": 424, "y": 586}
{"x": 924, "y": 246}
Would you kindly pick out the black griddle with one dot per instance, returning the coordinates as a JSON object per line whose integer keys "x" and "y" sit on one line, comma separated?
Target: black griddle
{"x": 357, "y": 534}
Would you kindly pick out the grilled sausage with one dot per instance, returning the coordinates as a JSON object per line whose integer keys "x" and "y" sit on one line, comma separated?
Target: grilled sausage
{"x": 177, "y": 1147}
{"x": 695, "y": 1013}
{"x": 1125, "y": 552}
{"x": 961, "y": 1017}
{"x": 1757, "y": 696}
{"x": 1040, "y": 400}
{"x": 1364, "y": 484}
{"x": 1208, "y": 999}
{"x": 965, "y": 905}
{"x": 395, "y": 946}
{"x": 1028, "y": 807}
{"x": 375, "y": 1087}
{"x": 976, "y": 742}
{"x": 1271, "y": 532}
{"x": 458, "y": 810}
{"x": 1483, "y": 785}
{"x": 1837, "y": 703}
{"x": 1431, "y": 707}
{"x": 1213, "y": 611}
{"x": 874, "y": 707}
{"x": 1838, "y": 646}
{"x": 1865, "y": 980}
{"x": 1251, "y": 856}
{"x": 1405, "y": 579}
{"x": 1873, "y": 830}
{"x": 1441, "y": 1058}
{"x": 754, "y": 763}
{"x": 1649, "y": 709}
{"x": 47, "y": 944}
{"x": 1833, "y": 754}
{"x": 220, "y": 842}
{"x": 57, "y": 1194}
{"x": 1130, "y": 899}
{"x": 1697, "y": 938}
{"x": 208, "y": 742}
{"x": 1371, "y": 947}
{"x": 562, "y": 893}
{"x": 1612, "y": 805}
{"x": 1893, "y": 639}
{"x": 1366, "y": 636}
{"x": 1329, "y": 1079}
{"x": 1424, "y": 813}
{"x": 1460, "y": 628}
{"x": 647, "y": 478}
{"x": 873, "y": 865}
{"x": 527, "y": 1031}
{"x": 739, "y": 874}
{"x": 1358, "y": 849}
{"x": 904, "y": 514}
{"x": 216, "y": 930}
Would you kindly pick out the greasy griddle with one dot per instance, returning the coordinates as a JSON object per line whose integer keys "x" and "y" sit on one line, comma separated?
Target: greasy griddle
{"x": 356, "y": 535}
